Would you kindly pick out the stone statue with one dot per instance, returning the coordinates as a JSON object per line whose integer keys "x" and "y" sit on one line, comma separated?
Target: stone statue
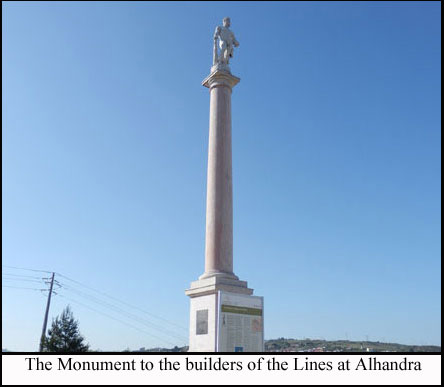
{"x": 226, "y": 43}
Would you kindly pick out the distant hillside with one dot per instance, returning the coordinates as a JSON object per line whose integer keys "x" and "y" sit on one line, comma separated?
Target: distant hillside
{"x": 309, "y": 345}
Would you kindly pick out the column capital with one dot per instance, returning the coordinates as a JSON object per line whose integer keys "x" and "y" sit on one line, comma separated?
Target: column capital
{"x": 220, "y": 78}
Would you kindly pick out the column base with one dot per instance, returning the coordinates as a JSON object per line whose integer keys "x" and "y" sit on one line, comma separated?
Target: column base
{"x": 215, "y": 282}
{"x": 220, "y": 274}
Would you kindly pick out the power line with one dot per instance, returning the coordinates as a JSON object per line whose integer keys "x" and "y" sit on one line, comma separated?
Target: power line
{"x": 123, "y": 312}
{"x": 164, "y": 330}
{"x": 104, "y": 294}
{"x": 123, "y": 302}
{"x": 116, "y": 319}
{"x": 132, "y": 316}
{"x": 21, "y": 275}
{"x": 17, "y": 287}
{"x": 22, "y": 279}
{"x": 24, "y": 268}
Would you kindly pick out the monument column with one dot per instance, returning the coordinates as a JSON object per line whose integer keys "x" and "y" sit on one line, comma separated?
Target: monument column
{"x": 219, "y": 217}
{"x": 224, "y": 316}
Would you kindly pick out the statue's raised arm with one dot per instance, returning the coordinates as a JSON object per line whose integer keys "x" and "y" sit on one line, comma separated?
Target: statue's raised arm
{"x": 226, "y": 40}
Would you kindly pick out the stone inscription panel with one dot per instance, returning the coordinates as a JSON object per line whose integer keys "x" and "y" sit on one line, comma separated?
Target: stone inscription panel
{"x": 202, "y": 322}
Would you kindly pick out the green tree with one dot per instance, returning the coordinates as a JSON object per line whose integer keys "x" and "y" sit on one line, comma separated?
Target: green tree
{"x": 64, "y": 335}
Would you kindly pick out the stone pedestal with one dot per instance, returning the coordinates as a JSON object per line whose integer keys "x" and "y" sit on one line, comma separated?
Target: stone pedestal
{"x": 203, "y": 305}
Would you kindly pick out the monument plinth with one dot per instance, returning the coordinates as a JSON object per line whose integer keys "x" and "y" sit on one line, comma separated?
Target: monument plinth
{"x": 218, "y": 282}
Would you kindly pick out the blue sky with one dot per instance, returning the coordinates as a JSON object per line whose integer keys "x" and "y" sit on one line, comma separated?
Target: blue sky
{"x": 336, "y": 166}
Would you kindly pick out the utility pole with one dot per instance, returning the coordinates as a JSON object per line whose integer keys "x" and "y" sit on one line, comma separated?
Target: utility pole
{"x": 45, "y": 321}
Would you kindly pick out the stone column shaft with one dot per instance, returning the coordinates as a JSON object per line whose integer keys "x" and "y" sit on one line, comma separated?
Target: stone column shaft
{"x": 219, "y": 216}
